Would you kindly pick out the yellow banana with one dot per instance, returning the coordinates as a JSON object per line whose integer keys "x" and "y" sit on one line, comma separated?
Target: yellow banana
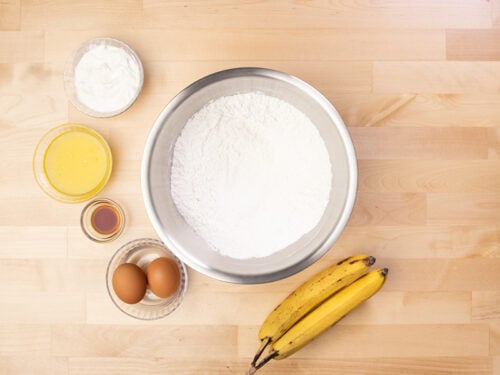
{"x": 307, "y": 296}
{"x": 327, "y": 314}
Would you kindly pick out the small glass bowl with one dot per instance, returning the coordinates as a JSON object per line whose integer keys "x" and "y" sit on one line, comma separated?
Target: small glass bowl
{"x": 69, "y": 75}
{"x": 39, "y": 168}
{"x": 142, "y": 252}
{"x": 87, "y": 220}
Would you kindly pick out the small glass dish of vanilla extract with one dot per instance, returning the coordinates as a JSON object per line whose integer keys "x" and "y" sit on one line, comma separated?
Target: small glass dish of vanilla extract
{"x": 102, "y": 220}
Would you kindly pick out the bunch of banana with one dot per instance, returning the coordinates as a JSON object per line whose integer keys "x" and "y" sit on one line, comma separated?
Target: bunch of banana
{"x": 316, "y": 305}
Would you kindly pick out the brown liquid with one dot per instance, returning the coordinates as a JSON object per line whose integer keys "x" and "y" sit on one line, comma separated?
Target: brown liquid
{"x": 105, "y": 219}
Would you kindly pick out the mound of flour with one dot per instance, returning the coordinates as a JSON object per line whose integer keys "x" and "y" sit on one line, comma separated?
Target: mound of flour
{"x": 250, "y": 174}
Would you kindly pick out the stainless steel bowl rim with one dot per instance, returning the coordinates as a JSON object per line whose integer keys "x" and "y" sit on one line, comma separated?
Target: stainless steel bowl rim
{"x": 246, "y": 72}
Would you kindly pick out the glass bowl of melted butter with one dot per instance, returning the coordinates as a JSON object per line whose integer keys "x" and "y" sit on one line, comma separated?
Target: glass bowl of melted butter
{"x": 72, "y": 163}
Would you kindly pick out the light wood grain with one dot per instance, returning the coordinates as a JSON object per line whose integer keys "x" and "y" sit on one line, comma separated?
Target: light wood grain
{"x": 25, "y": 339}
{"x": 419, "y": 110}
{"x": 427, "y": 176}
{"x": 417, "y": 84}
{"x": 88, "y": 14}
{"x": 463, "y": 208}
{"x": 480, "y": 274}
{"x": 43, "y": 365}
{"x": 38, "y": 308}
{"x": 263, "y": 44}
{"x": 485, "y": 306}
{"x": 349, "y": 341}
{"x": 48, "y": 212}
{"x": 496, "y": 365}
{"x": 438, "y": 77}
{"x": 32, "y": 80}
{"x": 389, "y": 209}
{"x": 319, "y": 14}
{"x": 495, "y": 338}
{"x": 377, "y": 366}
{"x": 33, "y": 242}
{"x": 21, "y": 46}
{"x": 127, "y": 365}
{"x": 495, "y": 13}
{"x": 473, "y": 45}
{"x": 10, "y": 14}
{"x": 145, "y": 341}
{"x": 414, "y": 242}
{"x": 420, "y": 143}
{"x": 330, "y": 77}
{"x": 24, "y": 111}
{"x": 392, "y": 308}
{"x": 494, "y": 143}
{"x": 57, "y": 275}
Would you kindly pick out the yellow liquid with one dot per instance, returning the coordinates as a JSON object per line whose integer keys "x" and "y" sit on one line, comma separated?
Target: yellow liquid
{"x": 76, "y": 163}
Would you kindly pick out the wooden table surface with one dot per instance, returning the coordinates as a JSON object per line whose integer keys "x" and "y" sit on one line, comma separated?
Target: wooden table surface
{"x": 417, "y": 83}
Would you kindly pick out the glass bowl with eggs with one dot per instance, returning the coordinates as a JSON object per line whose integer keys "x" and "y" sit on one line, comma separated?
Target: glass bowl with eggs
{"x": 145, "y": 280}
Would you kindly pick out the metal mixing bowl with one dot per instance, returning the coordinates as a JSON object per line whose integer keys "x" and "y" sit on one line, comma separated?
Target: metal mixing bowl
{"x": 179, "y": 236}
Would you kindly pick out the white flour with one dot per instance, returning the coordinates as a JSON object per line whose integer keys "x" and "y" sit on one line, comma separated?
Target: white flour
{"x": 250, "y": 174}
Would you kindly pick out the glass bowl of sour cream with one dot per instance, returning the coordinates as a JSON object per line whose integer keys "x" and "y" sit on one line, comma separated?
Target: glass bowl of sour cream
{"x": 104, "y": 77}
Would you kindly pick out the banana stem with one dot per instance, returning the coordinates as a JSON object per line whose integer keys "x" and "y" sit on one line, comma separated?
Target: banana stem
{"x": 251, "y": 370}
{"x": 263, "y": 346}
{"x": 370, "y": 261}
{"x": 265, "y": 360}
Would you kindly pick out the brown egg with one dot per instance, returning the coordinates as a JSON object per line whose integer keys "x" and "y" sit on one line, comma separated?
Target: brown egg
{"x": 129, "y": 283}
{"x": 163, "y": 277}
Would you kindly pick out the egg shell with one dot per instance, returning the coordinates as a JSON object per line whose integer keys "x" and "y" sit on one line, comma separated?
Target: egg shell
{"x": 163, "y": 277}
{"x": 129, "y": 283}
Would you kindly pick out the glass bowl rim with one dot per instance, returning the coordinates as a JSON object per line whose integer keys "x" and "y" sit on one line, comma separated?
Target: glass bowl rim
{"x": 131, "y": 245}
{"x": 69, "y": 87}
{"x": 112, "y": 203}
{"x": 39, "y": 157}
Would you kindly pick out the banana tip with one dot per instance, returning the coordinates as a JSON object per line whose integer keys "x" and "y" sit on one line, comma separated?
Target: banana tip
{"x": 384, "y": 271}
{"x": 371, "y": 260}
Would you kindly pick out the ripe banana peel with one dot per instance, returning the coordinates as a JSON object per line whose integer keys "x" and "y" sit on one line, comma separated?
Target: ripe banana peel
{"x": 328, "y": 313}
{"x": 318, "y": 310}
{"x": 307, "y": 296}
